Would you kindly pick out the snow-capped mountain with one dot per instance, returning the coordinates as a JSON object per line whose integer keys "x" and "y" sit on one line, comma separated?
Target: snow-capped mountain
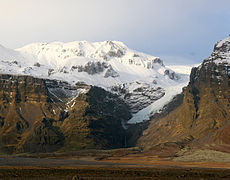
{"x": 111, "y": 61}
{"x": 141, "y": 80}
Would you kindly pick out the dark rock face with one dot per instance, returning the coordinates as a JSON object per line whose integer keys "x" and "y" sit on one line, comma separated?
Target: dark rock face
{"x": 115, "y": 51}
{"x": 172, "y": 75}
{"x": 96, "y": 68}
{"x": 110, "y": 72}
{"x": 202, "y": 119}
{"x": 159, "y": 61}
{"x": 96, "y": 121}
{"x": 39, "y": 115}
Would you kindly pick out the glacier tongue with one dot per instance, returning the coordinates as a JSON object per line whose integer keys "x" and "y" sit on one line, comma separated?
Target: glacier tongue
{"x": 142, "y": 80}
{"x": 157, "y": 106}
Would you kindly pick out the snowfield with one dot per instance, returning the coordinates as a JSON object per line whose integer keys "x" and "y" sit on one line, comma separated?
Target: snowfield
{"x": 142, "y": 80}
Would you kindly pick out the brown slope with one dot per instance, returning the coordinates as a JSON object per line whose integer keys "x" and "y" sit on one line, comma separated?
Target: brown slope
{"x": 203, "y": 118}
{"x": 33, "y": 119}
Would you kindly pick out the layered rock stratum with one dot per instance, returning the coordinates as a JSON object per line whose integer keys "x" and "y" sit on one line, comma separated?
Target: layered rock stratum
{"x": 41, "y": 115}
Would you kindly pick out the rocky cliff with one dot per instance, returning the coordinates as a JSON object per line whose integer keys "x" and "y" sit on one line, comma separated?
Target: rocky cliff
{"x": 202, "y": 119}
{"x": 41, "y": 115}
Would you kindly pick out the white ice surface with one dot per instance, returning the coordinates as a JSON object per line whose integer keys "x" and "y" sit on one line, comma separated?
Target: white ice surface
{"x": 182, "y": 69}
{"x": 170, "y": 92}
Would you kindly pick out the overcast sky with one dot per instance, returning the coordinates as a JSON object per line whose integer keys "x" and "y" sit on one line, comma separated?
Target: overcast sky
{"x": 179, "y": 31}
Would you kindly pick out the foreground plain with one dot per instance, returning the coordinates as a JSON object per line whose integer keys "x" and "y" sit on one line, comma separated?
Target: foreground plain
{"x": 116, "y": 164}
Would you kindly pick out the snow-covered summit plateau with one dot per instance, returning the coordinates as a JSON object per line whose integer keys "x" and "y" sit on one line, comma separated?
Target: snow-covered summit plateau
{"x": 142, "y": 80}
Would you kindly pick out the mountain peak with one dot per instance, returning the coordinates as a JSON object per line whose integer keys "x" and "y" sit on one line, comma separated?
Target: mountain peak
{"x": 224, "y": 42}
{"x": 221, "y": 52}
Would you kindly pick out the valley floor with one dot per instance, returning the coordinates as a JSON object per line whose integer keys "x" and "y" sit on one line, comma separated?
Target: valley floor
{"x": 113, "y": 164}
{"x": 112, "y": 173}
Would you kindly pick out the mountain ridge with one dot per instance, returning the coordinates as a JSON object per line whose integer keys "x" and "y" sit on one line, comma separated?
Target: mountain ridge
{"x": 107, "y": 64}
